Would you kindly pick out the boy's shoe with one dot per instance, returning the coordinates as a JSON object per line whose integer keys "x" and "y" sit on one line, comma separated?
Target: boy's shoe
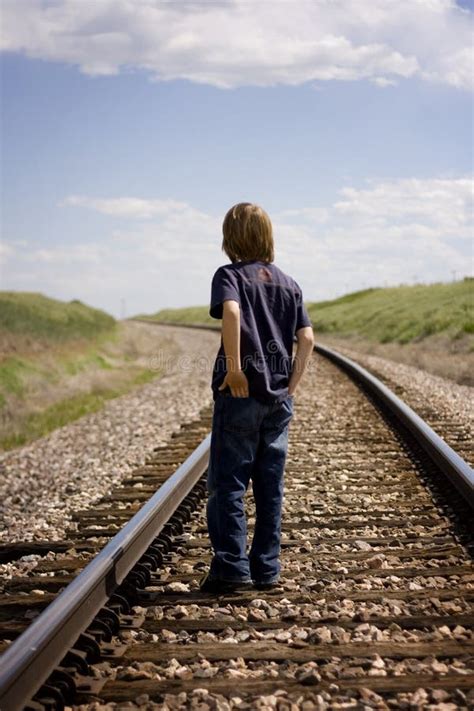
{"x": 221, "y": 587}
{"x": 262, "y": 585}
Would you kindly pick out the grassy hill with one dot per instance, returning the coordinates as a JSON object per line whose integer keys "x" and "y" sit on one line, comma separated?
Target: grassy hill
{"x": 59, "y": 361}
{"x": 186, "y": 315}
{"x": 40, "y": 317}
{"x": 400, "y": 314}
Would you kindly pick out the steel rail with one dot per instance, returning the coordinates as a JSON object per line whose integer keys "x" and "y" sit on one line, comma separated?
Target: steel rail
{"x": 30, "y": 659}
{"x": 456, "y": 469}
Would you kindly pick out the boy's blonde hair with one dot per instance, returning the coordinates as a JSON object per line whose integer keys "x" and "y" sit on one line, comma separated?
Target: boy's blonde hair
{"x": 248, "y": 233}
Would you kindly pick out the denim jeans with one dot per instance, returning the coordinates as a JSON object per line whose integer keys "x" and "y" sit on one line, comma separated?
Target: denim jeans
{"x": 249, "y": 441}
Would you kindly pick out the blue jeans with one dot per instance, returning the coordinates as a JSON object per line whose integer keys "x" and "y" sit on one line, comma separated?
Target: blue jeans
{"x": 249, "y": 441}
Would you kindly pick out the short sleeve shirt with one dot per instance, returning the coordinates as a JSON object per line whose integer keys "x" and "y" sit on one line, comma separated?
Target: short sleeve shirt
{"x": 271, "y": 311}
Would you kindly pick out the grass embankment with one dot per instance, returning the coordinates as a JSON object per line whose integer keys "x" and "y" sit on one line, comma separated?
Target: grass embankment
{"x": 194, "y": 315}
{"x": 400, "y": 314}
{"x": 59, "y": 361}
{"x": 428, "y": 326}
{"x": 35, "y": 316}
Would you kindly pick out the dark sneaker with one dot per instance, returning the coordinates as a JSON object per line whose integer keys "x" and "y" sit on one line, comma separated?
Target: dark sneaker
{"x": 216, "y": 586}
{"x": 262, "y": 585}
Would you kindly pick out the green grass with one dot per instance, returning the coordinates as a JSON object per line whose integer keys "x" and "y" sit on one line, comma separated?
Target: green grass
{"x": 43, "y": 318}
{"x": 17, "y": 373}
{"x": 14, "y": 371}
{"x": 398, "y": 314}
{"x": 39, "y": 424}
{"x": 65, "y": 411}
{"x": 145, "y": 376}
{"x": 32, "y": 324}
{"x": 46, "y": 343}
{"x": 186, "y": 315}
{"x": 75, "y": 365}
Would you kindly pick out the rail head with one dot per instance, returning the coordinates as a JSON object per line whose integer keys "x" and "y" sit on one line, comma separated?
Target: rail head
{"x": 31, "y": 658}
{"x": 453, "y": 466}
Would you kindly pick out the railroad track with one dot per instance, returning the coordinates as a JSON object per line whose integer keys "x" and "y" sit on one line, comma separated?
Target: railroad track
{"x": 375, "y": 607}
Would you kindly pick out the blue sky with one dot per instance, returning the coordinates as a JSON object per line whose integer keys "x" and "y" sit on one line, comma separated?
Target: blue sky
{"x": 126, "y": 138}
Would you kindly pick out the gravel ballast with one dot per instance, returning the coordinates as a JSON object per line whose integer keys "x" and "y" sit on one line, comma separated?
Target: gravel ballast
{"x": 44, "y": 482}
{"x": 446, "y": 406}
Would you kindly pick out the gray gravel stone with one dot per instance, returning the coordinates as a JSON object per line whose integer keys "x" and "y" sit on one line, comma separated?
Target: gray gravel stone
{"x": 93, "y": 454}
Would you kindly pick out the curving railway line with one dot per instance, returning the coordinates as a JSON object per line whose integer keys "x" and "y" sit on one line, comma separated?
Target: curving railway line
{"x": 375, "y": 606}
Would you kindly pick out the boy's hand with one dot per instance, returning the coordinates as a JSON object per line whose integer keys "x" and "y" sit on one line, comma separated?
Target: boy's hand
{"x": 238, "y": 383}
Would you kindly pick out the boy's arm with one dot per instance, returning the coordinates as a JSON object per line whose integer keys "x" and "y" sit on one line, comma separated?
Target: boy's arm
{"x": 304, "y": 348}
{"x": 235, "y": 378}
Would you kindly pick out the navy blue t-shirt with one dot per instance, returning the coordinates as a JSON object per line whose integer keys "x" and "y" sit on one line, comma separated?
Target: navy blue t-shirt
{"x": 271, "y": 311}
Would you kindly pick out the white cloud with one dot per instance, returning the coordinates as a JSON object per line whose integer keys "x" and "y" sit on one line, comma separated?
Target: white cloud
{"x": 78, "y": 254}
{"x": 383, "y": 82}
{"x": 443, "y": 204}
{"x": 315, "y": 214}
{"x": 385, "y": 232}
{"x": 126, "y": 207}
{"x": 176, "y": 217}
{"x": 6, "y": 252}
{"x": 248, "y": 42}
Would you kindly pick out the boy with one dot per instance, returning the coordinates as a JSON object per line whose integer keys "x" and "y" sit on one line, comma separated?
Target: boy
{"x": 253, "y": 383}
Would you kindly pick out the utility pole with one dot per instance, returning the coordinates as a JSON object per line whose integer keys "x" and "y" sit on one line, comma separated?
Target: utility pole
{"x": 122, "y": 308}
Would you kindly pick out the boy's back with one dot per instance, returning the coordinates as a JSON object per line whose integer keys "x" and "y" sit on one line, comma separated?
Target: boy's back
{"x": 253, "y": 384}
{"x": 271, "y": 311}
